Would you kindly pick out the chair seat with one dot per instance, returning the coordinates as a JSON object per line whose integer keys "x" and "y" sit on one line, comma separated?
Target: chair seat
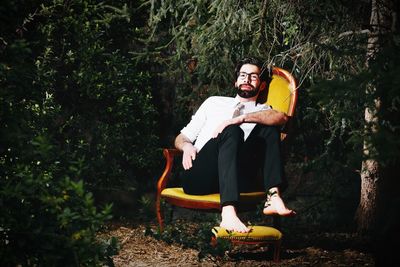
{"x": 258, "y": 235}
{"x": 211, "y": 201}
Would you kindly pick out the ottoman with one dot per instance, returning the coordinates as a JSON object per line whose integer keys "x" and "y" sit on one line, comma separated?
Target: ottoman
{"x": 260, "y": 235}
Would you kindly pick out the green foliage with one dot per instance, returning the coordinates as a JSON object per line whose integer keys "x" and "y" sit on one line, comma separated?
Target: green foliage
{"x": 77, "y": 116}
{"x": 345, "y": 135}
{"x": 46, "y": 218}
{"x": 147, "y": 207}
{"x": 106, "y": 112}
{"x": 343, "y": 101}
{"x": 215, "y": 34}
{"x": 50, "y": 221}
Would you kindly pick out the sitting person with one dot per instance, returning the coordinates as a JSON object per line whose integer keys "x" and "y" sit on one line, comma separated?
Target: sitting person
{"x": 227, "y": 142}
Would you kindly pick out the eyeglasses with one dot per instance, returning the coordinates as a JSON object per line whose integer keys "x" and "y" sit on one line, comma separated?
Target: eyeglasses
{"x": 253, "y": 76}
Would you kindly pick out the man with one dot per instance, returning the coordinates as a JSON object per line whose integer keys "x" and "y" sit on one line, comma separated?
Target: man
{"x": 228, "y": 141}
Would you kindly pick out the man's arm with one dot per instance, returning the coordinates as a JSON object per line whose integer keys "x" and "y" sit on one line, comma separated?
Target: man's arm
{"x": 189, "y": 151}
{"x": 266, "y": 117}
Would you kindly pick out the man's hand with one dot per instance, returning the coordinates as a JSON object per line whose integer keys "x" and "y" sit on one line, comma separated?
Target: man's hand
{"x": 189, "y": 154}
{"x": 222, "y": 126}
{"x": 189, "y": 150}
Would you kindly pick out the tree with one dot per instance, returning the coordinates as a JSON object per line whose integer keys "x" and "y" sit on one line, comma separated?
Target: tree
{"x": 382, "y": 19}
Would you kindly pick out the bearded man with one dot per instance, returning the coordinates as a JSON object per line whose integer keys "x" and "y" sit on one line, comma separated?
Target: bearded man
{"x": 229, "y": 140}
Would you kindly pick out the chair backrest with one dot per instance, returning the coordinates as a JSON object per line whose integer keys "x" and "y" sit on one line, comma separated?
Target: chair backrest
{"x": 282, "y": 93}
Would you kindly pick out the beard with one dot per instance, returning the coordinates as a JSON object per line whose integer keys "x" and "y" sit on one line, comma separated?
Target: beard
{"x": 247, "y": 93}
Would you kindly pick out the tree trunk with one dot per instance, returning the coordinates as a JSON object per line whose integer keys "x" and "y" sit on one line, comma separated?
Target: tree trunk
{"x": 367, "y": 212}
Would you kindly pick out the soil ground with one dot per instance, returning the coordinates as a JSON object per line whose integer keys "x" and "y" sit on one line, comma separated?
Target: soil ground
{"x": 140, "y": 245}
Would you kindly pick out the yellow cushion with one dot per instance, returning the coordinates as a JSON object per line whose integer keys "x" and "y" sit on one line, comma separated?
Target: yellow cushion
{"x": 279, "y": 94}
{"x": 257, "y": 233}
{"x": 177, "y": 192}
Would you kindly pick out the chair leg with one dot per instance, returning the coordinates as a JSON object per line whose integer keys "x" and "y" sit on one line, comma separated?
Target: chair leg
{"x": 160, "y": 218}
{"x": 277, "y": 250}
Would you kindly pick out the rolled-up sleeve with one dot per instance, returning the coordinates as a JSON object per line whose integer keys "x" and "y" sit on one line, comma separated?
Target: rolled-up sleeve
{"x": 264, "y": 107}
{"x": 193, "y": 128}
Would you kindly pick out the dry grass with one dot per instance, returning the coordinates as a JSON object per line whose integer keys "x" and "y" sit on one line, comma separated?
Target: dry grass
{"x": 139, "y": 249}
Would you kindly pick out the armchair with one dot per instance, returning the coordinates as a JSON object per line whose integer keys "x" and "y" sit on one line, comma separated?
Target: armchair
{"x": 282, "y": 96}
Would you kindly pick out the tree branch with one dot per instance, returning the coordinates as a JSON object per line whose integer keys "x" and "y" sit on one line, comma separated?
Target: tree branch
{"x": 344, "y": 34}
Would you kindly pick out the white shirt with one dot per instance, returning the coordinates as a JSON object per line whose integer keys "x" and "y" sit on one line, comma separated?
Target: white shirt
{"x": 212, "y": 113}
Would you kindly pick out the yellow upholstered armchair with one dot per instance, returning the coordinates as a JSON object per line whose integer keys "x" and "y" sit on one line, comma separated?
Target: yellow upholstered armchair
{"x": 282, "y": 96}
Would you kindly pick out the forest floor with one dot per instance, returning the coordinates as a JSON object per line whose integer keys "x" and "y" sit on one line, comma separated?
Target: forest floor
{"x": 142, "y": 245}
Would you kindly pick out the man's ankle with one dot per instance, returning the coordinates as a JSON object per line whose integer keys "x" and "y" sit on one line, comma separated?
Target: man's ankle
{"x": 272, "y": 192}
{"x": 228, "y": 209}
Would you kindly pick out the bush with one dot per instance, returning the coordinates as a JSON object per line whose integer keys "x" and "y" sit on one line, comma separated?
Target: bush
{"x": 76, "y": 116}
{"x": 50, "y": 221}
{"x": 104, "y": 117}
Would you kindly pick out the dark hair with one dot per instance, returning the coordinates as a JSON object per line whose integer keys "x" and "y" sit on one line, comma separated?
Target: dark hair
{"x": 264, "y": 72}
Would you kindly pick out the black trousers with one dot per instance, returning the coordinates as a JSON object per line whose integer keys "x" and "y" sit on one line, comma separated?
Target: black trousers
{"x": 229, "y": 165}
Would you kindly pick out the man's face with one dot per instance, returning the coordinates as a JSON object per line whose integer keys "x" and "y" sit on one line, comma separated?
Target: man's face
{"x": 248, "y": 81}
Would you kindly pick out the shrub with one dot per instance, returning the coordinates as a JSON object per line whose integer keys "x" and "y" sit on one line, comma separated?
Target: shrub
{"x": 50, "y": 221}
{"x": 76, "y": 116}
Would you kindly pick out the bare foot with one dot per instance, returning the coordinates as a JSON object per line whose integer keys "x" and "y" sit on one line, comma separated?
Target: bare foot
{"x": 230, "y": 220}
{"x": 275, "y": 206}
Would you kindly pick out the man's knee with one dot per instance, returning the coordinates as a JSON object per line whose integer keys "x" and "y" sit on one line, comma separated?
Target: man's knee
{"x": 233, "y": 131}
{"x": 267, "y": 131}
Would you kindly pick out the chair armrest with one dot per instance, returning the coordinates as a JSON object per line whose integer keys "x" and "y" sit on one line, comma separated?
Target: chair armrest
{"x": 169, "y": 155}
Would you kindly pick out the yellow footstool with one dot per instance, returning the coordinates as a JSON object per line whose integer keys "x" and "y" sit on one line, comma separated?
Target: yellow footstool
{"x": 259, "y": 235}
